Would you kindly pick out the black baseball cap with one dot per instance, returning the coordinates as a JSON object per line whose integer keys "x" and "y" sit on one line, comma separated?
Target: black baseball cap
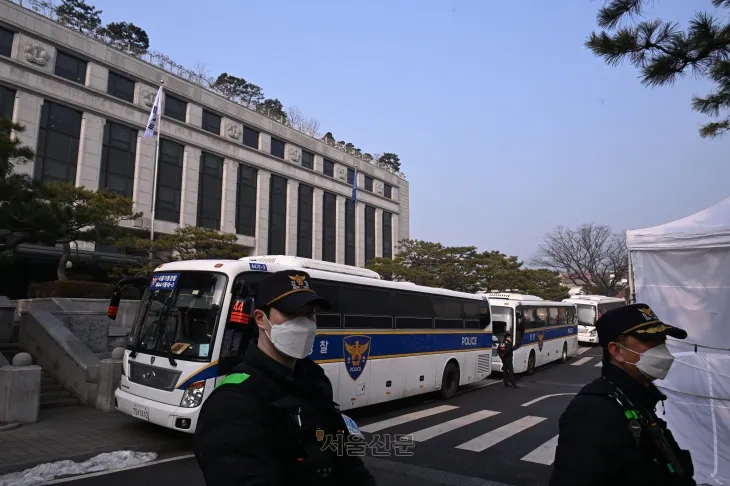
{"x": 636, "y": 320}
{"x": 288, "y": 291}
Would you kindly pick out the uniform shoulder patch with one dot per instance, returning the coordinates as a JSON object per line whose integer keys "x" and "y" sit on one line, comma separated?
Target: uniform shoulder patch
{"x": 234, "y": 379}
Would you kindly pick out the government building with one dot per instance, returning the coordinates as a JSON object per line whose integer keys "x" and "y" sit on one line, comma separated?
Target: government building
{"x": 85, "y": 106}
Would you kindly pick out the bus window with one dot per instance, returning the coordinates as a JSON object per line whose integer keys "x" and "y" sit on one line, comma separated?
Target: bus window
{"x": 603, "y": 308}
{"x": 502, "y": 320}
{"x": 553, "y": 319}
{"x": 331, "y": 293}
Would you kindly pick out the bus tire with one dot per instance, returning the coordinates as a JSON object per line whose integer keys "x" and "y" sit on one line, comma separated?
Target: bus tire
{"x": 564, "y": 356}
{"x": 450, "y": 381}
{"x": 530, "y": 363}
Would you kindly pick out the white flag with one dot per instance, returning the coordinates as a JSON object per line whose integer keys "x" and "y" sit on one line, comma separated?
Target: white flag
{"x": 154, "y": 115}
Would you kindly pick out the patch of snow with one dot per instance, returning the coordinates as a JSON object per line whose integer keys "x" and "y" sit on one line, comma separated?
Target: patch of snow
{"x": 103, "y": 462}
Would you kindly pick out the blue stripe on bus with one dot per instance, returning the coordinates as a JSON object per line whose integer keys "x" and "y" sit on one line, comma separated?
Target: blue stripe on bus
{"x": 382, "y": 345}
{"x": 549, "y": 334}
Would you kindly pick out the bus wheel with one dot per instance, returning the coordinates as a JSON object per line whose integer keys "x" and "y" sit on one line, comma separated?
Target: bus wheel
{"x": 530, "y": 363}
{"x": 564, "y": 357}
{"x": 450, "y": 381}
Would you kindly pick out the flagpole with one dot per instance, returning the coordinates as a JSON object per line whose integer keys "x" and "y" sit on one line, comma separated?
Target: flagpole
{"x": 156, "y": 163}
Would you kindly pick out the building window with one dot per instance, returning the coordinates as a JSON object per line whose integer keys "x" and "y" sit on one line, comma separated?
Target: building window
{"x": 71, "y": 68}
{"x": 328, "y": 168}
{"x": 250, "y": 138}
{"x": 368, "y": 183}
{"x": 58, "y": 143}
{"x": 211, "y": 122}
{"x": 388, "y": 191}
{"x": 277, "y": 216}
{"x": 175, "y": 108}
{"x": 169, "y": 181}
{"x": 387, "y": 235}
{"x": 6, "y": 42}
{"x": 120, "y": 87}
{"x": 7, "y": 101}
{"x": 246, "y": 200}
{"x": 369, "y": 233}
{"x": 307, "y": 159}
{"x": 277, "y": 148}
{"x": 210, "y": 191}
{"x": 349, "y": 232}
{"x": 329, "y": 227}
{"x": 350, "y": 176}
{"x": 118, "y": 155}
{"x": 304, "y": 221}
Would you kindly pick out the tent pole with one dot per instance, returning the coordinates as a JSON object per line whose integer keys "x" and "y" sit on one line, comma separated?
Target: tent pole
{"x": 632, "y": 290}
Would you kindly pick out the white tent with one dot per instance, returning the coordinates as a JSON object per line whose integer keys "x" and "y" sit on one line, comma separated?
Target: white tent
{"x": 682, "y": 270}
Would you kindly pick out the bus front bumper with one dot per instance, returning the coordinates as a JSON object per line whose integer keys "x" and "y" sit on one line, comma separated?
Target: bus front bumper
{"x": 587, "y": 338}
{"x": 170, "y": 416}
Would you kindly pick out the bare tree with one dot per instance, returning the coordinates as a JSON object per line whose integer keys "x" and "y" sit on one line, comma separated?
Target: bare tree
{"x": 199, "y": 73}
{"x": 591, "y": 256}
{"x": 301, "y": 122}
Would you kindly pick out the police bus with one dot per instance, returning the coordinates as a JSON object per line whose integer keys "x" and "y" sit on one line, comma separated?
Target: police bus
{"x": 380, "y": 340}
{"x": 588, "y": 309}
{"x": 542, "y": 331}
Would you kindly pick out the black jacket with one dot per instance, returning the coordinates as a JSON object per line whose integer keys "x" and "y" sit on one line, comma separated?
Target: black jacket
{"x": 506, "y": 355}
{"x": 596, "y": 446}
{"x": 247, "y": 433}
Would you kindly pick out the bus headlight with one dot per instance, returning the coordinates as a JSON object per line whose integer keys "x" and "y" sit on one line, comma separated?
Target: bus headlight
{"x": 593, "y": 332}
{"x": 193, "y": 395}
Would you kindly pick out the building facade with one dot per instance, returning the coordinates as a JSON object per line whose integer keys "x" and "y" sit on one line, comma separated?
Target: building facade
{"x": 221, "y": 165}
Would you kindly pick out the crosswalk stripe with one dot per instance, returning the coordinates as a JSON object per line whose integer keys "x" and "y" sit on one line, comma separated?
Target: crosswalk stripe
{"x": 582, "y": 361}
{"x": 545, "y": 454}
{"x": 599, "y": 364}
{"x": 485, "y": 441}
{"x": 583, "y": 350}
{"x": 431, "y": 432}
{"x": 402, "y": 419}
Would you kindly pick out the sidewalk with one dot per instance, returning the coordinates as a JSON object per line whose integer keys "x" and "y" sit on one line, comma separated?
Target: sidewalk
{"x": 78, "y": 433}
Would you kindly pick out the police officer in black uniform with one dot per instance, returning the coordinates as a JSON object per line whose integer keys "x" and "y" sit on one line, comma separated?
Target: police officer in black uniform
{"x": 267, "y": 422}
{"x": 610, "y": 433}
{"x": 506, "y": 352}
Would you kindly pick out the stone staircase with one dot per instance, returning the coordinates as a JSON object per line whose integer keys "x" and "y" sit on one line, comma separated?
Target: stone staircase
{"x": 53, "y": 394}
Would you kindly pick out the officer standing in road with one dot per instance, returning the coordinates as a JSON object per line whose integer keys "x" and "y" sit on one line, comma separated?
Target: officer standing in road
{"x": 610, "y": 433}
{"x": 505, "y": 352}
{"x": 266, "y": 422}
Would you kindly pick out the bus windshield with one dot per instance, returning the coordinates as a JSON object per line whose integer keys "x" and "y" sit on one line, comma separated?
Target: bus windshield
{"x": 178, "y": 315}
{"x": 502, "y": 320}
{"x": 586, "y": 315}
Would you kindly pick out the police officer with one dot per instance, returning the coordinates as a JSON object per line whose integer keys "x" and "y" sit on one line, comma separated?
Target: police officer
{"x": 505, "y": 353}
{"x": 267, "y": 422}
{"x": 610, "y": 433}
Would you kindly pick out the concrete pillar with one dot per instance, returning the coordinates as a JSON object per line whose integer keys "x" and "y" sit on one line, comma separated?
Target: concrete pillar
{"x": 262, "y": 212}
{"x": 378, "y": 233}
{"x": 195, "y": 115}
{"x": 360, "y": 234}
{"x": 264, "y": 142}
{"x": 27, "y": 112}
{"x": 90, "y": 145}
{"x": 404, "y": 211}
{"x": 317, "y": 219}
{"x": 341, "y": 211}
{"x": 97, "y": 77}
{"x": 144, "y": 166}
{"x": 318, "y": 163}
{"x": 228, "y": 211}
{"x": 110, "y": 375}
{"x": 292, "y": 210}
{"x": 191, "y": 175}
{"x": 20, "y": 389}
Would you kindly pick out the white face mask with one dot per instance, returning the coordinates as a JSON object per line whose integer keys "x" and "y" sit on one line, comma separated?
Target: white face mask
{"x": 654, "y": 363}
{"x": 293, "y": 338}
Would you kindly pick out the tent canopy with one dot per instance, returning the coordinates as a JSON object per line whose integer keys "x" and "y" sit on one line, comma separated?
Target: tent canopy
{"x": 681, "y": 269}
{"x": 709, "y": 228}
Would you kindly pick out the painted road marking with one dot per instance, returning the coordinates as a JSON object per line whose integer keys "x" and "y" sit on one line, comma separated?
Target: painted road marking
{"x": 436, "y": 430}
{"x": 545, "y": 454}
{"x": 403, "y": 419}
{"x": 527, "y": 404}
{"x": 582, "y": 361}
{"x": 583, "y": 350}
{"x": 485, "y": 441}
{"x": 113, "y": 471}
{"x": 599, "y": 364}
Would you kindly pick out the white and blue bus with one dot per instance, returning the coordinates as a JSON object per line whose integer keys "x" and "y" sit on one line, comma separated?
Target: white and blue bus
{"x": 542, "y": 331}
{"x": 380, "y": 341}
{"x": 588, "y": 308}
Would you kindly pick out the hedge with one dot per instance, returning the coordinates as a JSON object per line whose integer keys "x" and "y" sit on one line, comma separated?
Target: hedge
{"x": 77, "y": 289}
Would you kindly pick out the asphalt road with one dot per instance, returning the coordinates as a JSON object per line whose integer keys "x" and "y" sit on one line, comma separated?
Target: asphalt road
{"x": 485, "y": 436}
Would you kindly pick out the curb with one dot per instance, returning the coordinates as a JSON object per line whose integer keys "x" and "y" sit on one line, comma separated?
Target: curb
{"x": 166, "y": 447}
{"x": 10, "y": 426}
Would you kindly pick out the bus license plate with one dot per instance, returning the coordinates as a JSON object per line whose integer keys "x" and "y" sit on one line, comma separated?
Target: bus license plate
{"x": 140, "y": 411}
